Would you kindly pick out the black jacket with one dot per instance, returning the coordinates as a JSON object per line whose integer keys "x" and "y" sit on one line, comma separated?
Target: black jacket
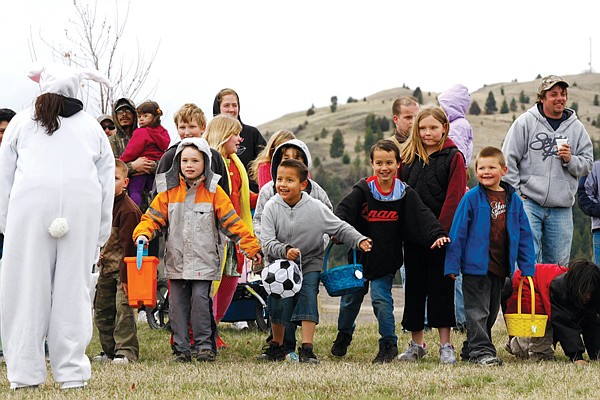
{"x": 571, "y": 322}
{"x": 388, "y": 223}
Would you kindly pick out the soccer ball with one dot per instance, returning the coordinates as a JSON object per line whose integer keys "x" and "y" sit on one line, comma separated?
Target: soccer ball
{"x": 282, "y": 279}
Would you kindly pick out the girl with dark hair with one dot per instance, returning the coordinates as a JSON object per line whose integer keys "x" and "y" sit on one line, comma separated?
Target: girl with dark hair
{"x": 571, "y": 299}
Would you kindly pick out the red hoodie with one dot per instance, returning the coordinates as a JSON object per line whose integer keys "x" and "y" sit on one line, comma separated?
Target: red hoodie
{"x": 147, "y": 142}
{"x": 544, "y": 275}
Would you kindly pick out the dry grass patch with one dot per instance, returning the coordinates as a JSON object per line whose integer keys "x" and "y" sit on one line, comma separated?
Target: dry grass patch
{"x": 236, "y": 374}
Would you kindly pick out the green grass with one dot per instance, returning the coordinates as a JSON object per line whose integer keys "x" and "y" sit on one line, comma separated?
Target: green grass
{"x": 236, "y": 374}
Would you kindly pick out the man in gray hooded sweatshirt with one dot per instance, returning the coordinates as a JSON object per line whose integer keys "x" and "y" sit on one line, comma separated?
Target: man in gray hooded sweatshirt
{"x": 544, "y": 173}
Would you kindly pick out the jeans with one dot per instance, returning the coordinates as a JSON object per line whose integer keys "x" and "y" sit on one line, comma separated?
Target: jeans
{"x": 459, "y": 304}
{"x": 383, "y": 308}
{"x": 596, "y": 242}
{"x": 552, "y": 232}
{"x": 302, "y": 306}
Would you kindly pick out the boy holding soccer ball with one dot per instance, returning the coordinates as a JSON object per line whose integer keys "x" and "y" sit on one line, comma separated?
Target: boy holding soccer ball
{"x": 293, "y": 225}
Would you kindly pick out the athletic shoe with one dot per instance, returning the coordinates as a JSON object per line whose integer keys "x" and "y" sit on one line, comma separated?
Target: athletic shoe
{"x": 306, "y": 355}
{"x": 19, "y": 386}
{"x": 447, "y": 354}
{"x": 240, "y": 325}
{"x": 182, "y": 358}
{"x": 340, "y": 344}
{"x": 221, "y": 344}
{"x": 206, "y": 355}
{"x": 292, "y": 357}
{"x": 272, "y": 352}
{"x": 142, "y": 316}
{"x": 102, "y": 357}
{"x": 489, "y": 360}
{"x": 413, "y": 353}
{"x": 120, "y": 359}
{"x": 388, "y": 352}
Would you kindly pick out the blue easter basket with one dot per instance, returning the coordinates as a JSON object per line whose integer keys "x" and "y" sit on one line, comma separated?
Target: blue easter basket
{"x": 343, "y": 279}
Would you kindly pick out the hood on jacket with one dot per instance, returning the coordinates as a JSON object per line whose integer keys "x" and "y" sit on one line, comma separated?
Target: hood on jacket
{"x": 119, "y": 103}
{"x": 277, "y": 155}
{"x": 455, "y": 101}
{"x": 170, "y": 179}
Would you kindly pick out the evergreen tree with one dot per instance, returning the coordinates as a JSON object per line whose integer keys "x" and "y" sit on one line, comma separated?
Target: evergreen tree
{"x": 384, "y": 124}
{"x": 575, "y": 106}
{"x": 474, "y": 109}
{"x": 504, "y": 107}
{"x": 417, "y": 94}
{"x": 596, "y": 100}
{"x": 490, "y": 104}
{"x": 513, "y": 105}
{"x": 522, "y": 98}
{"x": 310, "y": 111}
{"x": 324, "y": 133}
{"x": 333, "y": 105}
{"x": 337, "y": 144}
{"x": 358, "y": 146}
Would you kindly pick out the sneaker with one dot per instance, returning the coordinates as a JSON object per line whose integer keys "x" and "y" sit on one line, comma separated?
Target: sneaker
{"x": 221, "y": 344}
{"x": 447, "y": 354}
{"x": 272, "y": 352}
{"x": 387, "y": 353}
{"x": 102, "y": 357}
{"x": 340, "y": 344}
{"x": 413, "y": 353}
{"x": 206, "y": 355}
{"x": 240, "y": 325}
{"x": 489, "y": 360}
{"x": 306, "y": 355}
{"x": 142, "y": 316}
{"x": 292, "y": 357}
{"x": 19, "y": 386}
{"x": 120, "y": 359}
{"x": 182, "y": 358}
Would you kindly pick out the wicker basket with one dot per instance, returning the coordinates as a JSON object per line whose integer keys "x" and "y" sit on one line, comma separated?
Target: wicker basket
{"x": 526, "y": 325}
{"x": 344, "y": 279}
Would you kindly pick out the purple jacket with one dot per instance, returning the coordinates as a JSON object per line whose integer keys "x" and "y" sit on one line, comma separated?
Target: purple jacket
{"x": 455, "y": 102}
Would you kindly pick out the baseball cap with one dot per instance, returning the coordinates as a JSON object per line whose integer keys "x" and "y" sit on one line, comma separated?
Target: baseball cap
{"x": 123, "y": 105}
{"x": 549, "y": 81}
{"x": 105, "y": 117}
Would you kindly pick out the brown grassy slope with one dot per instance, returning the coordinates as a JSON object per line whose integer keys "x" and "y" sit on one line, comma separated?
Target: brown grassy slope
{"x": 488, "y": 129}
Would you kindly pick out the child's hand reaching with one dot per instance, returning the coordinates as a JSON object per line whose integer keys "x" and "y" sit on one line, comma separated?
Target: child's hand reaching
{"x": 293, "y": 253}
{"x": 440, "y": 242}
{"x": 366, "y": 245}
{"x": 143, "y": 239}
{"x": 258, "y": 258}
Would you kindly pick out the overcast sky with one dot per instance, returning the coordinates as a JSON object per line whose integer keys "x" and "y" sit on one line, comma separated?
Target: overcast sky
{"x": 282, "y": 56}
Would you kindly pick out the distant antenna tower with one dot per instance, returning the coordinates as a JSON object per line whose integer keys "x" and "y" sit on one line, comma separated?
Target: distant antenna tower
{"x": 590, "y": 54}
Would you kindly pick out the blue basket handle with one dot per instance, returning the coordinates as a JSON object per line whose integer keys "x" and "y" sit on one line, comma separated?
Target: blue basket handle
{"x": 141, "y": 252}
{"x": 328, "y": 250}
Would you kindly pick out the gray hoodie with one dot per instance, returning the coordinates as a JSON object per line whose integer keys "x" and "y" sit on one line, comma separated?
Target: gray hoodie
{"x": 303, "y": 227}
{"x": 534, "y": 169}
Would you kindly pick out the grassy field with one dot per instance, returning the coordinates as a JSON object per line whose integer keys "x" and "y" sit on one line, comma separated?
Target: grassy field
{"x": 236, "y": 374}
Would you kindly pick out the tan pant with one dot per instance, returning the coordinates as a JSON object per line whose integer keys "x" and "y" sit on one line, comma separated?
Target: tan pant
{"x": 535, "y": 349}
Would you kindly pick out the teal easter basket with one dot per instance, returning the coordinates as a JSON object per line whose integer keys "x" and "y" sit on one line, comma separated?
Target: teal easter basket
{"x": 343, "y": 279}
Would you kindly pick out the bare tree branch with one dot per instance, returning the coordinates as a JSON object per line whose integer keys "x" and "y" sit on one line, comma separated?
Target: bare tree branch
{"x": 94, "y": 41}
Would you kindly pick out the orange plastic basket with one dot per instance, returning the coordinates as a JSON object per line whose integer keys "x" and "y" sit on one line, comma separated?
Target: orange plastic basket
{"x": 141, "y": 283}
{"x": 526, "y": 325}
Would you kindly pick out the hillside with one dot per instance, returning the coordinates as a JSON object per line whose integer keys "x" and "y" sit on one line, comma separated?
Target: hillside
{"x": 488, "y": 129}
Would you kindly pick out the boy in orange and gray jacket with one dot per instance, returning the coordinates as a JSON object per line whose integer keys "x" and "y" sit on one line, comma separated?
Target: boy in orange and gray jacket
{"x": 191, "y": 207}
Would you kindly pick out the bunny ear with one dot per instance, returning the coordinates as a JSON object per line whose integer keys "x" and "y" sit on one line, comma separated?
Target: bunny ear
{"x": 35, "y": 72}
{"x": 95, "y": 76}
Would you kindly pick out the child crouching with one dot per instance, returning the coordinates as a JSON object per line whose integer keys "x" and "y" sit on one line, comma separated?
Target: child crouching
{"x": 191, "y": 207}
{"x": 293, "y": 225}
